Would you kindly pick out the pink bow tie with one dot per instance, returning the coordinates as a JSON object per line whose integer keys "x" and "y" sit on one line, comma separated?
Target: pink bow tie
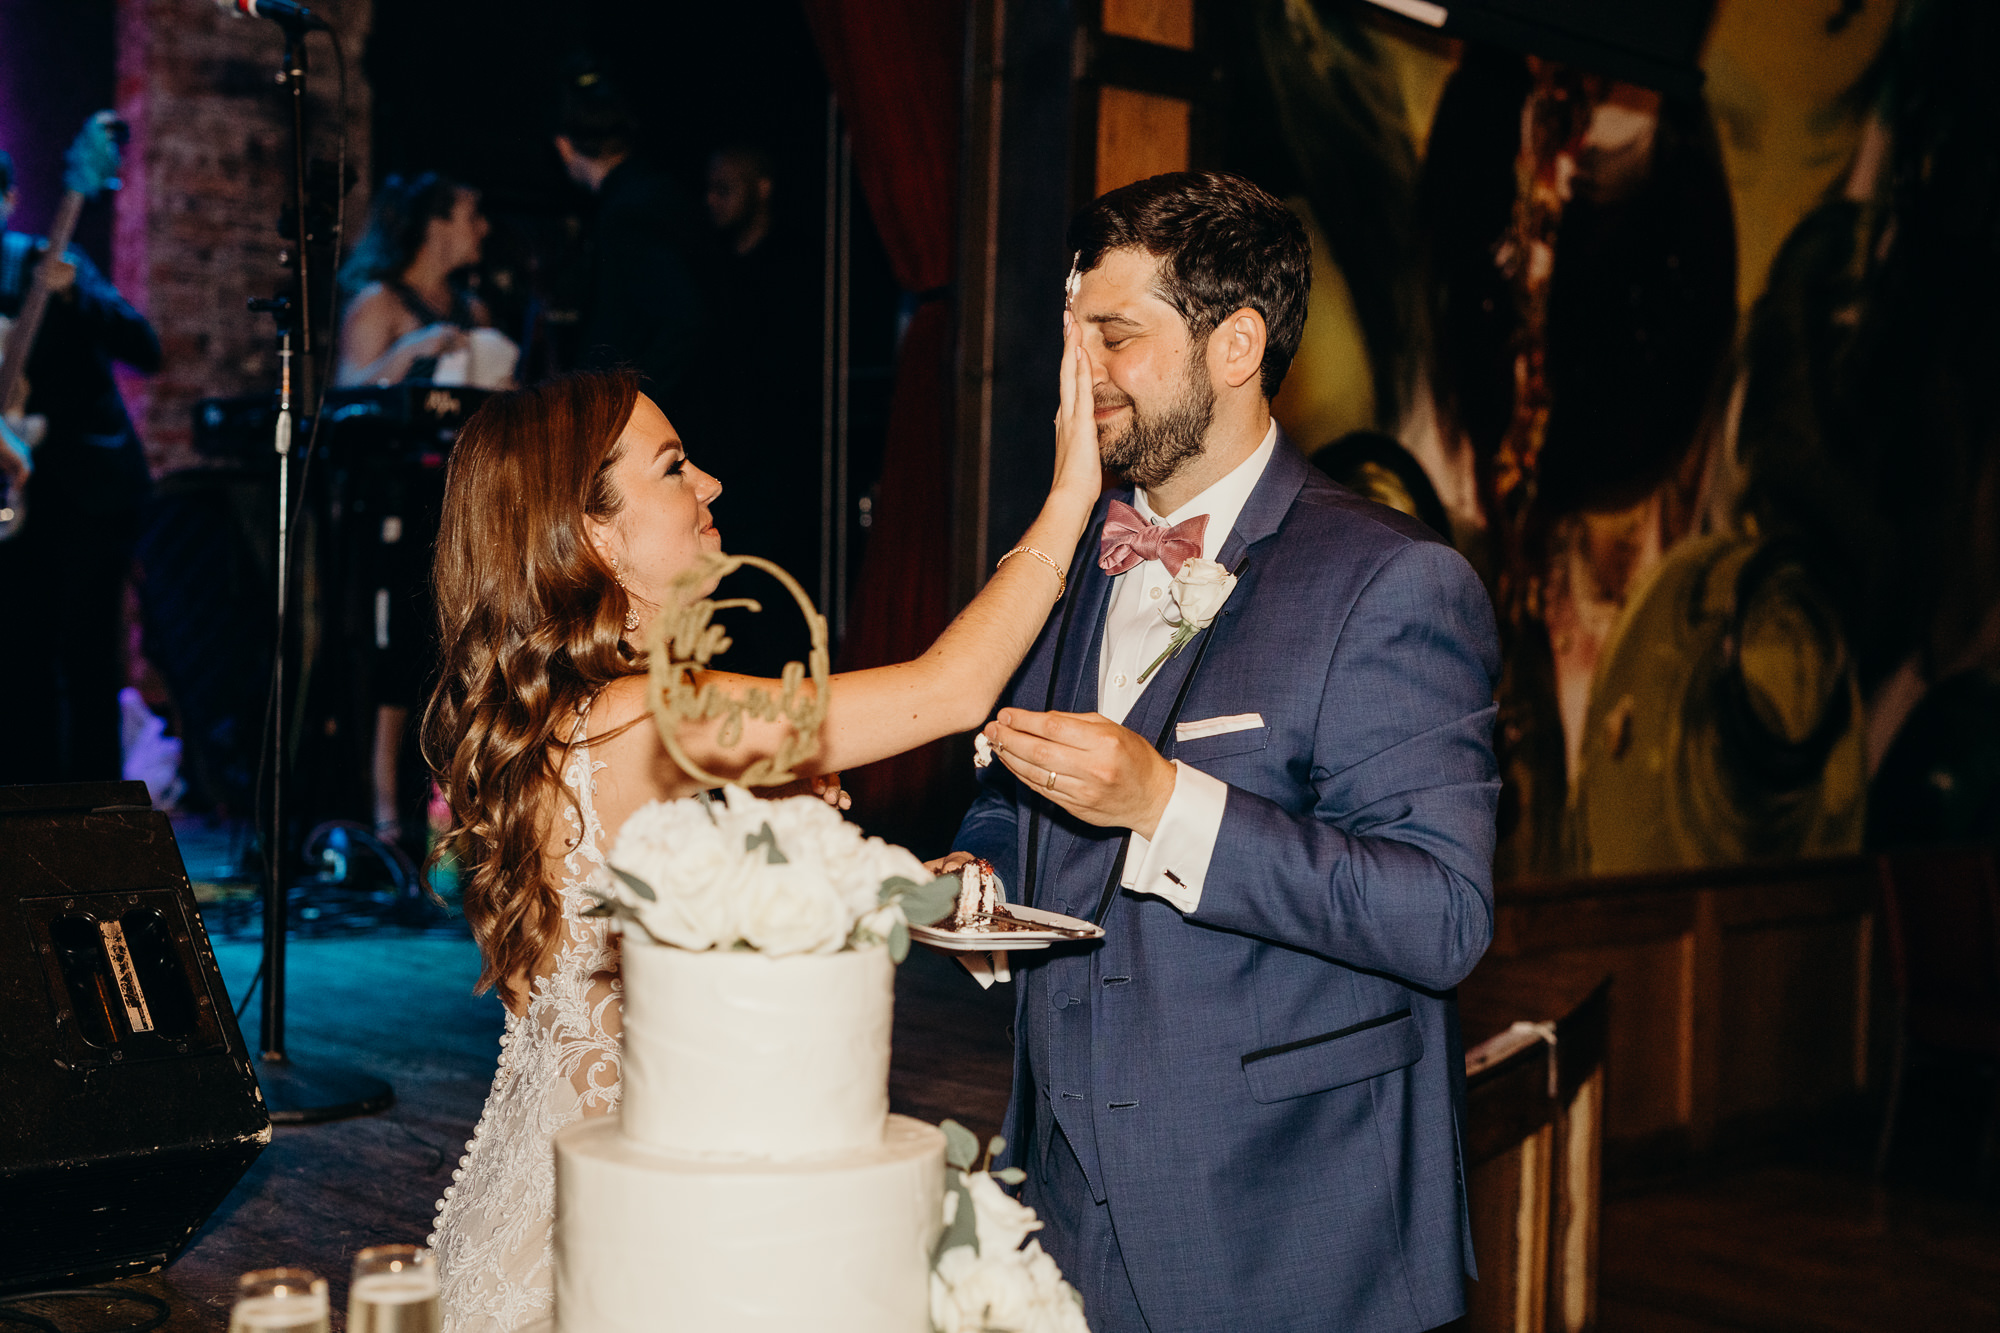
{"x": 1129, "y": 539}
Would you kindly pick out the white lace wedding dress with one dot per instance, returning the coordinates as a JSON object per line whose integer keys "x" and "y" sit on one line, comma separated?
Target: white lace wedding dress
{"x": 558, "y": 1063}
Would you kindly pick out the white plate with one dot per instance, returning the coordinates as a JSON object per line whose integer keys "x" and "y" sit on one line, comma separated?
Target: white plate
{"x": 1007, "y": 941}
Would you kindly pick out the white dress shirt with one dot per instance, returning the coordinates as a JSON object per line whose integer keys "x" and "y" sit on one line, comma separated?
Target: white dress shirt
{"x": 1173, "y": 863}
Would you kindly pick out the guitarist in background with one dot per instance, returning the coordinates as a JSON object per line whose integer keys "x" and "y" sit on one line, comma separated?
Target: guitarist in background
{"x": 62, "y": 575}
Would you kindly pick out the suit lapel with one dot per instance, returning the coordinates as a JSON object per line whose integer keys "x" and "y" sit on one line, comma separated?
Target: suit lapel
{"x": 1072, "y": 687}
{"x": 1284, "y": 476}
{"x": 1262, "y": 514}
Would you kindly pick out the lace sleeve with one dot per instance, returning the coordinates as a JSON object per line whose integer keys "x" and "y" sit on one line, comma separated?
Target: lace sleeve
{"x": 579, "y": 1011}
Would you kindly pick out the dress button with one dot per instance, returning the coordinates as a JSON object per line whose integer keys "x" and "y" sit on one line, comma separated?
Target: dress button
{"x": 1061, "y": 999}
{"x": 1154, "y": 594}
{"x": 1119, "y": 681}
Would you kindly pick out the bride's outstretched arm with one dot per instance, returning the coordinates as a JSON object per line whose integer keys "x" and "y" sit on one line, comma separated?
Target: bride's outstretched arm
{"x": 953, "y": 686}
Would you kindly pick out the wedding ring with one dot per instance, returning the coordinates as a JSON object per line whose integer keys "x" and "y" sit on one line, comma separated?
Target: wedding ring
{"x": 1050, "y": 785}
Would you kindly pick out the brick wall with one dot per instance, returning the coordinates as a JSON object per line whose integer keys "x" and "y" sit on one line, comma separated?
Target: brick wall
{"x": 207, "y": 171}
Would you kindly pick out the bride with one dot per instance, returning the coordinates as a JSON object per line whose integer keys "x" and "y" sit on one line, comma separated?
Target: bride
{"x": 569, "y": 510}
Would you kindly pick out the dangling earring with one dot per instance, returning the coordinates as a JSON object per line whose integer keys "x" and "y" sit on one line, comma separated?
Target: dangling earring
{"x": 631, "y": 615}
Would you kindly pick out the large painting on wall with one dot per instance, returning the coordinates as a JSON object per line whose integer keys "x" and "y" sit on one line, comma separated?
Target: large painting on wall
{"x": 1691, "y": 361}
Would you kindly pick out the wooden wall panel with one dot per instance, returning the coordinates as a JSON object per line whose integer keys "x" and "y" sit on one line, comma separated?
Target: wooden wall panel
{"x": 1139, "y": 135}
{"x": 1788, "y": 1042}
{"x": 1739, "y": 996}
{"x": 1166, "y": 22}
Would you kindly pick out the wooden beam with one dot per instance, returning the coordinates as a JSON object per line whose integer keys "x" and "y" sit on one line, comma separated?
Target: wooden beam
{"x": 978, "y": 299}
{"x": 1162, "y": 22}
{"x": 1139, "y": 135}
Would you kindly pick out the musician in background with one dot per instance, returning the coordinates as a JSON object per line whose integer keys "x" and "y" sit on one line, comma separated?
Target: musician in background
{"x": 409, "y": 304}
{"x": 643, "y": 306}
{"x": 408, "y": 299}
{"x": 62, "y": 575}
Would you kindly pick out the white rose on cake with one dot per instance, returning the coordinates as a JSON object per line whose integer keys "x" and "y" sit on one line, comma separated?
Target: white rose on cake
{"x": 781, "y": 877}
{"x": 986, "y": 1280}
{"x": 1003, "y": 1291}
{"x": 973, "y": 1292}
{"x": 674, "y": 845}
{"x": 1057, "y": 1307}
{"x": 703, "y": 873}
{"x": 878, "y": 924}
{"x": 788, "y": 909}
{"x": 1003, "y": 1221}
{"x": 813, "y": 833}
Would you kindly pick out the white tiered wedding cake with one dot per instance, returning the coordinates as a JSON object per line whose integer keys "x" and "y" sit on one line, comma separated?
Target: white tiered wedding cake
{"x": 754, "y": 1178}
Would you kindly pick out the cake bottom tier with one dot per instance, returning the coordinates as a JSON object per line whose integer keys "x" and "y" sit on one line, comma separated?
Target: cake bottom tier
{"x": 664, "y": 1244}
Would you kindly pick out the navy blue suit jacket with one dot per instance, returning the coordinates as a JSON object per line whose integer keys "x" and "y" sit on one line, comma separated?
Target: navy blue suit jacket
{"x": 1268, "y": 1091}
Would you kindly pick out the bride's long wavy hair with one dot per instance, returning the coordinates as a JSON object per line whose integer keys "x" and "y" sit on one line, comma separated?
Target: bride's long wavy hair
{"x": 529, "y": 620}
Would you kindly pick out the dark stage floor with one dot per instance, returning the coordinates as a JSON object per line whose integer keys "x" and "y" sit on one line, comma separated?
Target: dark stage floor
{"x": 399, "y": 1004}
{"x": 1792, "y": 1238}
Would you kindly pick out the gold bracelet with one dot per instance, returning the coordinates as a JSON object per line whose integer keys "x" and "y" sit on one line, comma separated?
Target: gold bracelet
{"x": 1062, "y": 579}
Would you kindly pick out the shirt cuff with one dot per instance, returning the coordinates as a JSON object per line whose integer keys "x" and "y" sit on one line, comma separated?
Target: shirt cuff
{"x": 1173, "y": 864}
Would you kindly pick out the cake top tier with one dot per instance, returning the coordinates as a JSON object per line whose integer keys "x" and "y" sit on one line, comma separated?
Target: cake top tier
{"x": 735, "y": 1053}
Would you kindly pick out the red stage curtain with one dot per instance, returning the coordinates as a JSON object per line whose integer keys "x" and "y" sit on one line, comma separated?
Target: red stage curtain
{"x": 895, "y": 66}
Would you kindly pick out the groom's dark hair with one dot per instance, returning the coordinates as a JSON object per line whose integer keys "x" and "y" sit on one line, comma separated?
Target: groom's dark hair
{"x": 1223, "y": 243}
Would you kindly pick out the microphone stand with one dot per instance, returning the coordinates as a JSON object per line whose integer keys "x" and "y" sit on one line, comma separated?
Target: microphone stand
{"x": 294, "y": 1094}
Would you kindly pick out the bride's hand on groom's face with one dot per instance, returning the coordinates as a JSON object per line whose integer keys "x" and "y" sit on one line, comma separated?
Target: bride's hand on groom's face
{"x": 1104, "y": 774}
{"x": 1079, "y": 466}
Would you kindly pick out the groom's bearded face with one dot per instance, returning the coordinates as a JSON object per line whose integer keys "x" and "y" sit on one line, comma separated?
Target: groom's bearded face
{"x": 1159, "y": 435}
{"x": 1149, "y": 372}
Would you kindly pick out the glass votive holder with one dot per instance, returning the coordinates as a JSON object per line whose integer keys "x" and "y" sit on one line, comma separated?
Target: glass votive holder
{"x": 395, "y": 1290}
{"x": 280, "y": 1300}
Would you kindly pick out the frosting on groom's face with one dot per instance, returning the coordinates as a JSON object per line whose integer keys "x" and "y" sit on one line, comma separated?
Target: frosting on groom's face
{"x": 1149, "y": 376}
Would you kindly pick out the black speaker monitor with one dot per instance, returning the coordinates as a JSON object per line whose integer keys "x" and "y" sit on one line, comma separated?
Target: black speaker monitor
{"x": 128, "y": 1104}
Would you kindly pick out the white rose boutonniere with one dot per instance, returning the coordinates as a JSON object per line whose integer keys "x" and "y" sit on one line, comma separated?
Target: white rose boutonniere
{"x": 1200, "y": 589}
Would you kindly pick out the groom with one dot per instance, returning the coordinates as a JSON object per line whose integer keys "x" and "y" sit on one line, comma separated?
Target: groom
{"x": 1241, "y": 1109}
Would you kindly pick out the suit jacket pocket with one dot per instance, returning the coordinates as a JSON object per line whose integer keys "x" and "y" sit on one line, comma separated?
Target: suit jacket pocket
{"x": 1334, "y": 1059}
{"x": 1198, "y": 749}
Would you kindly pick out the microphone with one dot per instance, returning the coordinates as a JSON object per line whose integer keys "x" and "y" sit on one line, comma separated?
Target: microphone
{"x": 288, "y": 12}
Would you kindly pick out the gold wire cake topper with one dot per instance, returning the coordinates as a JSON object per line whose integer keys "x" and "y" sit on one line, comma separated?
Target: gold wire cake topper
{"x": 682, "y": 640}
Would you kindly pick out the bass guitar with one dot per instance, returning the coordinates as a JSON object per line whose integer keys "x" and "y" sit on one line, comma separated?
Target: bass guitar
{"x": 89, "y": 168}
